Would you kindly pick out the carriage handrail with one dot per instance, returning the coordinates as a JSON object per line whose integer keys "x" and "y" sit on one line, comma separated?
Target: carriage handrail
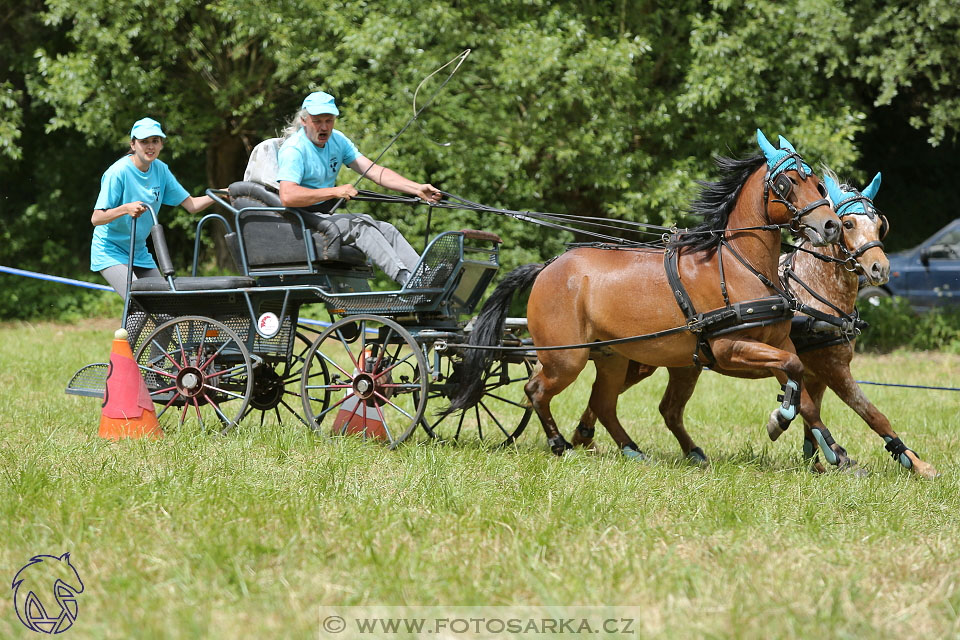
{"x": 133, "y": 238}
{"x": 196, "y": 242}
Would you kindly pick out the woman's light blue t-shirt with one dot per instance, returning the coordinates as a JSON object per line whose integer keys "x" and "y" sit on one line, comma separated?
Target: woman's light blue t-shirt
{"x": 304, "y": 163}
{"x": 123, "y": 183}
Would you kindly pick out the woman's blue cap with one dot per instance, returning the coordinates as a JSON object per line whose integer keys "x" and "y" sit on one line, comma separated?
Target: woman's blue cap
{"x": 319, "y": 102}
{"x": 146, "y": 127}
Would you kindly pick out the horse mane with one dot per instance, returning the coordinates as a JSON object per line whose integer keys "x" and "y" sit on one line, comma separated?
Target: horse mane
{"x": 716, "y": 202}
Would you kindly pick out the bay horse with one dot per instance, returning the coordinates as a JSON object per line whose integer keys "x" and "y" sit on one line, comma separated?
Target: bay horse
{"x": 645, "y": 299}
{"x": 827, "y": 281}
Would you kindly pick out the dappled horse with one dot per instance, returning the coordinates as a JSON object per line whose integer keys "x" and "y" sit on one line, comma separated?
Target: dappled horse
{"x": 646, "y": 299}
{"x": 827, "y": 282}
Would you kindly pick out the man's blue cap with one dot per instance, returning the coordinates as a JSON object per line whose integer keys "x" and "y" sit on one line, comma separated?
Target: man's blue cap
{"x": 146, "y": 127}
{"x": 319, "y": 102}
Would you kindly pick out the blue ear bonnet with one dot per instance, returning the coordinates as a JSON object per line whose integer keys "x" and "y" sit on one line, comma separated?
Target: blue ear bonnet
{"x": 850, "y": 201}
{"x": 783, "y": 159}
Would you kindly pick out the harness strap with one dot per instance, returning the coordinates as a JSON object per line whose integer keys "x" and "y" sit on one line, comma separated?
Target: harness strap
{"x": 671, "y": 264}
{"x": 723, "y": 281}
{"x": 672, "y": 267}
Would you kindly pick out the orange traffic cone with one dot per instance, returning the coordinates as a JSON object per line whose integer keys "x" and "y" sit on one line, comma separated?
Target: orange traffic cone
{"x": 127, "y": 407}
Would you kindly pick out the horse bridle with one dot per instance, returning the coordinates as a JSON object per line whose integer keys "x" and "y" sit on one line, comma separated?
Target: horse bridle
{"x": 782, "y": 186}
{"x": 843, "y": 208}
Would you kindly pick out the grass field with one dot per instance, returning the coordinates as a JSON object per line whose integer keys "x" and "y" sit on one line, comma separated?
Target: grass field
{"x": 249, "y": 535}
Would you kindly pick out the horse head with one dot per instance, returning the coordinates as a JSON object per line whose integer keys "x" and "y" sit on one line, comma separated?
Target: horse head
{"x": 791, "y": 184}
{"x": 864, "y": 228}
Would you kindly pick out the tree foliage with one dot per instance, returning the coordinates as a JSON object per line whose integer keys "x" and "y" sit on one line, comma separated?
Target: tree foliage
{"x": 596, "y": 107}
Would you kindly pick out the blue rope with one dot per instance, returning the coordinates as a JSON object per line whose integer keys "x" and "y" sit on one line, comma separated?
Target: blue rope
{"x": 44, "y": 276}
{"x": 100, "y": 287}
{"x": 907, "y": 386}
{"x": 321, "y": 323}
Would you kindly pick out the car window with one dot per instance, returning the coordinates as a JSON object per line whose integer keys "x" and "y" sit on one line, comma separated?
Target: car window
{"x": 946, "y": 247}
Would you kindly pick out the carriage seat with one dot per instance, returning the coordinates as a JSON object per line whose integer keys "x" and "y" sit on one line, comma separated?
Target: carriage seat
{"x": 274, "y": 239}
{"x": 192, "y": 284}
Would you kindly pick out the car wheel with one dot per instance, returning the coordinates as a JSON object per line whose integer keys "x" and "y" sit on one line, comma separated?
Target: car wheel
{"x": 872, "y": 295}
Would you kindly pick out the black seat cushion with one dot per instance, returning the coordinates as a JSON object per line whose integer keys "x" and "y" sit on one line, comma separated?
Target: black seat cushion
{"x": 192, "y": 284}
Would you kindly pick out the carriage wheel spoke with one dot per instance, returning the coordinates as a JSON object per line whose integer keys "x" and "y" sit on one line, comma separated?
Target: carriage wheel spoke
{"x": 334, "y": 363}
{"x": 394, "y": 365}
{"x": 183, "y": 354}
{"x": 494, "y": 418}
{"x": 386, "y": 349}
{"x": 213, "y": 356}
{"x": 507, "y": 401}
{"x": 383, "y": 421}
{"x": 233, "y": 369}
{"x": 226, "y": 392}
{"x": 294, "y": 413}
{"x": 346, "y": 423}
{"x": 390, "y": 402}
{"x": 331, "y": 407}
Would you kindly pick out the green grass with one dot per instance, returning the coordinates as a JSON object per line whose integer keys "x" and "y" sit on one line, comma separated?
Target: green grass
{"x": 248, "y": 535}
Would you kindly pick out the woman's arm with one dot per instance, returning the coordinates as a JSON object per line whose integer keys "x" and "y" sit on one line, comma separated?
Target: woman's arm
{"x": 105, "y": 216}
{"x": 196, "y": 204}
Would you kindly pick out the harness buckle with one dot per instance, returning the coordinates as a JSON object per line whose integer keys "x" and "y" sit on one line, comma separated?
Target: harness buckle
{"x": 440, "y": 346}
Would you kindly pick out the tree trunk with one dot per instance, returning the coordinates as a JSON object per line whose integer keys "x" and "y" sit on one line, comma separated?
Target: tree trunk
{"x": 226, "y": 161}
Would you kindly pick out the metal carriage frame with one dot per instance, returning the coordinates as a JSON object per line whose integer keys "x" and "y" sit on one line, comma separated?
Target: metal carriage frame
{"x": 222, "y": 348}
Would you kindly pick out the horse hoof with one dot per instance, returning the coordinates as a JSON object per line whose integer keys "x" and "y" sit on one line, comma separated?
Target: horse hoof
{"x": 586, "y": 443}
{"x": 849, "y": 465}
{"x": 775, "y": 426}
{"x": 634, "y": 454}
{"x": 925, "y": 470}
{"x": 559, "y": 446}
{"x": 698, "y": 457}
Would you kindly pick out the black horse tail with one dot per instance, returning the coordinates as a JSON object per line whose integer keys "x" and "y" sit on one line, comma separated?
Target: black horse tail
{"x": 488, "y": 331}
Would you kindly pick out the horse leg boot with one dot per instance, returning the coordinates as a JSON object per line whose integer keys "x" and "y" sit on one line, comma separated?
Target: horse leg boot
{"x": 609, "y": 384}
{"x": 815, "y": 430}
{"x": 583, "y": 434}
{"x": 732, "y": 354}
{"x": 811, "y": 450}
{"x": 841, "y": 382}
{"x": 555, "y": 372}
{"x": 683, "y": 380}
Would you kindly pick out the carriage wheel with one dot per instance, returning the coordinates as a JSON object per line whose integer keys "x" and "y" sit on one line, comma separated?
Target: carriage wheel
{"x": 196, "y": 367}
{"x": 276, "y": 387}
{"x": 377, "y": 382}
{"x": 500, "y": 416}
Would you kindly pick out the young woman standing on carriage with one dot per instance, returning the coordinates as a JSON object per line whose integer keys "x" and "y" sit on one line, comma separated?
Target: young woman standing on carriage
{"x": 127, "y": 187}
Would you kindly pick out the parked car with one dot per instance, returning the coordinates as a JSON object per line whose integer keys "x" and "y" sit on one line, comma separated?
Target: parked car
{"x": 926, "y": 276}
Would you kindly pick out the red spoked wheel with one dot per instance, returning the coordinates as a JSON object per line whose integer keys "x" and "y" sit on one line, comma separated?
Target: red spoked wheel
{"x": 197, "y": 368}
{"x": 375, "y": 381}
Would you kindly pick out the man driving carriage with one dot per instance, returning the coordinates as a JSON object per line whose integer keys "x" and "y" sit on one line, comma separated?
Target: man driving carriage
{"x": 308, "y": 163}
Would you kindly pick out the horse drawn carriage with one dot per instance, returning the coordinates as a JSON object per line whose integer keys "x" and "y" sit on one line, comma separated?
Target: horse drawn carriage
{"x": 223, "y": 349}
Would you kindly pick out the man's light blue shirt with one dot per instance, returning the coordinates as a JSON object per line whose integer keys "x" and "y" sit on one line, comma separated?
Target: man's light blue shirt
{"x": 123, "y": 183}
{"x": 304, "y": 163}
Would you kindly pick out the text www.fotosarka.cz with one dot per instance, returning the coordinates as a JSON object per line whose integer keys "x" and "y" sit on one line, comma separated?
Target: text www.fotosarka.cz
{"x": 480, "y": 622}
